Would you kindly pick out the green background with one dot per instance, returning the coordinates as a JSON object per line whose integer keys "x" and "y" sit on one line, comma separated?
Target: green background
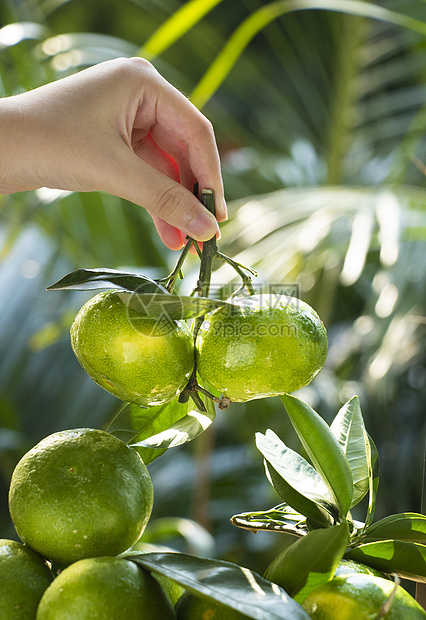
{"x": 320, "y": 125}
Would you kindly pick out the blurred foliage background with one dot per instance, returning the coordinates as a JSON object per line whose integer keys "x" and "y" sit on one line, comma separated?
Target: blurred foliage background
{"x": 320, "y": 118}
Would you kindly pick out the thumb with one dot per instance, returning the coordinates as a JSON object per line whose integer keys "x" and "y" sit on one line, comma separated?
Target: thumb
{"x": 162, "y": 197}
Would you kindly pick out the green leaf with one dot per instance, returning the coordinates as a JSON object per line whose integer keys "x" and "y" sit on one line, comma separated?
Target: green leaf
{"x": 180, "y": 432}
{"x": 229, "y": 584}
{"x": 91, "y": 279}
{"x": 295, "y": 480}
{"x": 281, "y": 518}
{"x": 373, "y": 477}
{"x": 323, "y": 449}
{"x": 220, "y": 68}
{"x": 408, "y": 526}
{"x": 310, "y": 561}
{"x": 406, "y": 559}
{"x": 134, "y": 423}
{"x": 349, "y": 430}
{"x": 176, "y": 26}
{"x": 171, "y": 307}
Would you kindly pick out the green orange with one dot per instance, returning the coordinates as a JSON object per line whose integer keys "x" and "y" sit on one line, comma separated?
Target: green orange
{"x": 262, "y": 346}
{"x": 361, "y": 597}
{"x": 192, "y": 607}
{"x": 80, "y": 493}
{"x": 350, "y": 566}
{"x": 138, "y": 359}
{"x": 24, "y": 576}
{"x": 105, "y": 588}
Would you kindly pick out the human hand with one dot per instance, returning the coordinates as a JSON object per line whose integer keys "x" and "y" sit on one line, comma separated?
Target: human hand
{"x": 117, "y": 127}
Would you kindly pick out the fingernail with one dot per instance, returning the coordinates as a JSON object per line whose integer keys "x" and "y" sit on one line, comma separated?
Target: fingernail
{"x": 203, "y": 227}
{"x": 225, "y": 209}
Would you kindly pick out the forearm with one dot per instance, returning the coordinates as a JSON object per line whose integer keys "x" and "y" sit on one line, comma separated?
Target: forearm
{"x": 14, "y": 162}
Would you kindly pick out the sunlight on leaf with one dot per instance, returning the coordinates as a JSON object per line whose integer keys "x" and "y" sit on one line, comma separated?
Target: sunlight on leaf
{"x": 310, "y": 561}
{"x": 348, "y": 428}
{"x": 408, "y": 526}
{"x": 323, "y": 449}
{"x": 134, "y": 423}
{"x": 406, "y": 559}
{"x": 185, "y": 429}
{"x": 233, "y": 586}
{"x": 373, "y": 477}
{"x": 281, "y": 518}
{"x": 295, "y": 480}
{"x": 90, "y": 279}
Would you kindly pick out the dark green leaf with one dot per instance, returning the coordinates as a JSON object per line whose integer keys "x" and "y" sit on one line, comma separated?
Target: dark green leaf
{"x": 91, "y": 279}
{"x": 406, "y": 559}
{"x": 348, "y": 428}
{"x": 134, "y": 423}
{"x": 295, "y": 480}
{"x": 310, "y": 561}
{"x": 171, "y": 307}
{"x": 408, "y": 526}
{"x": 234, "y": 586}
{"x": 373, "y": 477}
{"x": 281, "y": 518}
{"x": 323, "y": 449}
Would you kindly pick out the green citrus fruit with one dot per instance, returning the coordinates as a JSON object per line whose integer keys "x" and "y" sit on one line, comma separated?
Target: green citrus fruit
{"x": 263, "y": 346}
{"x": 173, "y": 590}
{"x": 350, "y": 566}
{"x": 80, "y": 493}
{"x": 24, "y": 576}
{"x": 139, "y": 359}
{"x": 105, "y": 588}
{"x": 360, "y": 596}
{"x": 192, "y": 607}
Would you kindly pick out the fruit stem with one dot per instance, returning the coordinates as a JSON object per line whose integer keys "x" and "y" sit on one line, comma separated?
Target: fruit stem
{"x": 177, "y": 270}
{"x": 209, "y": 253}
{"x": 239, "y": 268}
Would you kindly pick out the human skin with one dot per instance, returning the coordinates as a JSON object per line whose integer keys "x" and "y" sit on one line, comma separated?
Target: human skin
{"x": 117, "y": 127}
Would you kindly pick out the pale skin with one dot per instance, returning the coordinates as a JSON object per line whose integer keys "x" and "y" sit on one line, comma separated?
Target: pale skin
{"x": 117, "y": 127}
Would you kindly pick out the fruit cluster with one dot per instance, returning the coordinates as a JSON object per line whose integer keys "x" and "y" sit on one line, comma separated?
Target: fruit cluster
{"x": 256, "y": 347}
{"x": 78, "y": 499}
{"x": 82, "y": 498}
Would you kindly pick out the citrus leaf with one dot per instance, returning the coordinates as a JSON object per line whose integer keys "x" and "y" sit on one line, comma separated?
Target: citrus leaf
{"x": 406, "y": 559}
{"x": 310, "y": 561}
{"x": 295, "y": 480}
{"x": 91, "y": 279}
{"x": 408, "y": 526}
{"x": 323, "y": 449}
{"x": 373, "y": 477}
{"x": 180, "y": 432}
{"x": 134, "y": 423}
{"x": 229, "y": 584}
{"x": 281, "y": 518}
{"x": 170, "y": 307}
{"x": 348, "y": 428}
